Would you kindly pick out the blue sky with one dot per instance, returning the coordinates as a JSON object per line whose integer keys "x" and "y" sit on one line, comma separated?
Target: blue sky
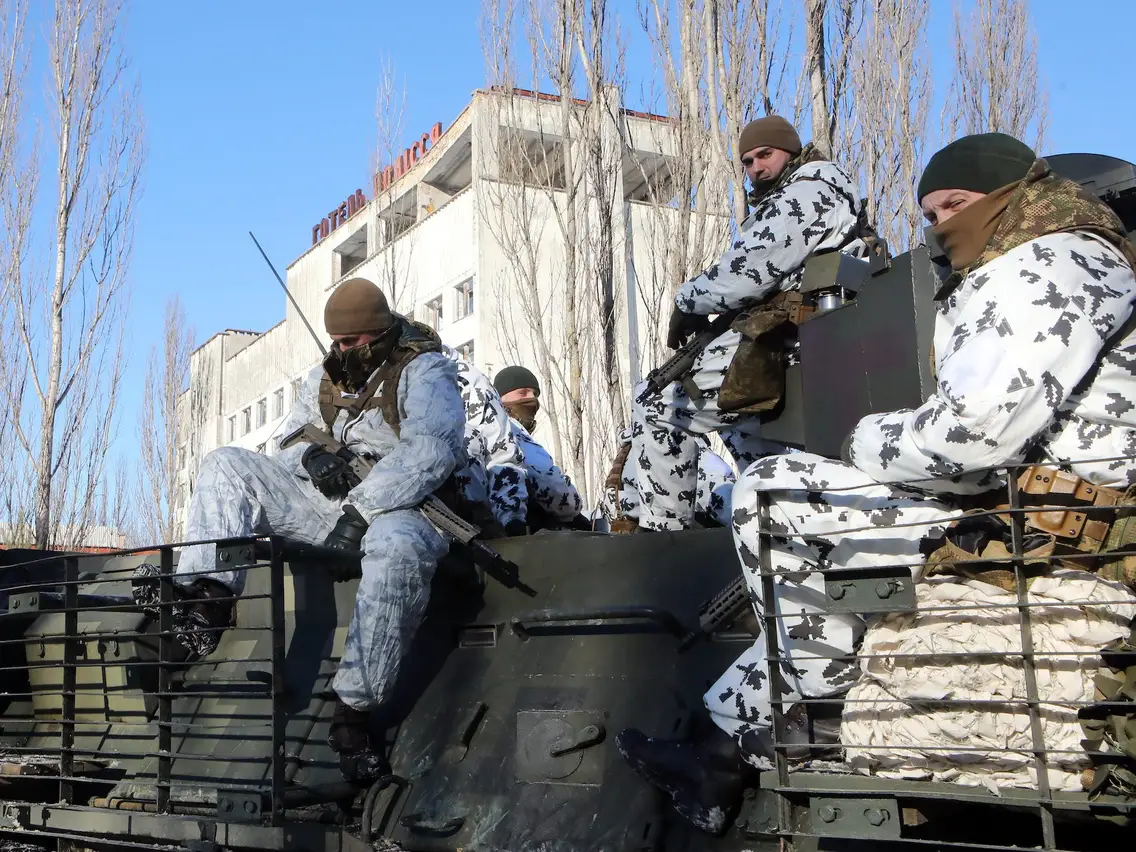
{"x": 260, "y": 116}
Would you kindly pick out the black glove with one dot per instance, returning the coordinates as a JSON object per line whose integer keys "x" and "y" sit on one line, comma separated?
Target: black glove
{"x": 348, "y": 532}
{"x": 328, "y": 472}
{"x": 582, "y": 523}
{"x": 682, "y": 326}
{"x": 515, "y": 527}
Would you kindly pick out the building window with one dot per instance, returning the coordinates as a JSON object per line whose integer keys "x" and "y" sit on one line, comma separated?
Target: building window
{"x": 351, "y": 252}
{"x": 278, "y": 403}
{"x": 296, "y": 390}
{"x": 434, "y": 313}
{"x": 464, "y": 299}
{"x": 233, "y": 428}
{"x": 466, "y": 350}
{"x": 246, "y": 421}
{"x": 261, "y": 413}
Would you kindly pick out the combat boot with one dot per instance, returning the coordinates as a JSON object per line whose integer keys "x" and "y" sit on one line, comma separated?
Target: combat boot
{"x": 349, "y": 737}
{"x": 624, "y": 526}
{"x": 704, "y": 778}
{"x": 201, "y": 612}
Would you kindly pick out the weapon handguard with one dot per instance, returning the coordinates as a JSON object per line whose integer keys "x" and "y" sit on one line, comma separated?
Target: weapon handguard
{"x": 679, "y": 365}
{"x": 721, "y": 610}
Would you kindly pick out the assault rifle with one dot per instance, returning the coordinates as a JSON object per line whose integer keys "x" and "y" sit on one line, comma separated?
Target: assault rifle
{"x": 720, "y": 610}
{"x": 679, "y": 365}
{"x": 432, "y": 508}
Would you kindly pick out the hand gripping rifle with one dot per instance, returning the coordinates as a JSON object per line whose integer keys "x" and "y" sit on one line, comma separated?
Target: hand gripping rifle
{"x": 432, "y": 508}
{"x": 722, "y": 609}
{"x": 678, "y": 366}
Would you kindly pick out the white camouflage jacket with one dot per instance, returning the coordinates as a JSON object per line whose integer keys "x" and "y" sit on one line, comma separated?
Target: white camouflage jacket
{"x": 489, "y": 442}
{"x": 1025, "y": 368}
{"x": 409, "y": 468}
{"x": 814, "y": 210}
{"x": 548, "y": 485}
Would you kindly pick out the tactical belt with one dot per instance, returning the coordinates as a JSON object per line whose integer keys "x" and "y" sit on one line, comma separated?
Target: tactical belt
{"x": 1078, "y": 517}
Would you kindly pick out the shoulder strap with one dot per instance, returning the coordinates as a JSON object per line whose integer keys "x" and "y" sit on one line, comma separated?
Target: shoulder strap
{"x": 415, "y": 340}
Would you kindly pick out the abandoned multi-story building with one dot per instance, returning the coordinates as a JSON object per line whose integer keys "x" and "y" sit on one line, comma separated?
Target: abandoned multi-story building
{"x": 517, "y": 242}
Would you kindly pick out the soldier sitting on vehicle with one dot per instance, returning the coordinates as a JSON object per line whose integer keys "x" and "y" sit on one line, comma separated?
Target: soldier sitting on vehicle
{"x": 711, "y": 503}
{"x": 392, "y": 397}
{"x": 802, "y": 204}
{"x": 1034, "y": 351}
{"x": 553, "y": 499}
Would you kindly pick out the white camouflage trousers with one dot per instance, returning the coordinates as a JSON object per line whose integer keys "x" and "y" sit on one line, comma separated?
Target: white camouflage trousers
{"x": 664, "y": 448}
{"x": 242, "y": 493}
{"x": 715, "y": 484}
{"x": 824, "y": 516}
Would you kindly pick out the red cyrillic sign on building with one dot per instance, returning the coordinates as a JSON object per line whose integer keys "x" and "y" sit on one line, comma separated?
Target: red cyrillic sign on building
{"x": 406, "y": 160}
{"x": 338, "y": 216}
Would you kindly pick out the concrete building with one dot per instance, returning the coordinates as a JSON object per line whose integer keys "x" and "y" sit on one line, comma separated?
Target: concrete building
{"x": 466, "y": 232}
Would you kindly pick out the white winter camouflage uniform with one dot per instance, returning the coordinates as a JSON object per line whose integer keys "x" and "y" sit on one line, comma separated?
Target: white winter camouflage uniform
{"x": 1016, "y": 346}
{"x": 241, "y": 493}
{"x": 548, "y": 486}
{"x": 813, "y": 211}
{"x": 715, "y": 484}
{"x": 490, "y": 443}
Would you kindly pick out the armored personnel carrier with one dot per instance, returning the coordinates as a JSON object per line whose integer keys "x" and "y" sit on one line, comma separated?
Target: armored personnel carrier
{"x": 500, "y": 734}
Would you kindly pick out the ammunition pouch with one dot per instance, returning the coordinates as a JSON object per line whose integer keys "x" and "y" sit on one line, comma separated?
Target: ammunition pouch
{"x": 755, "y": 379}
{"x": 1079, "y": 525}
{"x": 1110, "y": 728}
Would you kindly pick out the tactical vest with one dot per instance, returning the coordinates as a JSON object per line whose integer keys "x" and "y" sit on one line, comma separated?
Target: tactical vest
{"x": 381, "y": 390}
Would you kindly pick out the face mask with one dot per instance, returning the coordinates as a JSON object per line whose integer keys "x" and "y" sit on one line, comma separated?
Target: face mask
{"x": 350, "y": 370}
{"x": 524, "y": 412}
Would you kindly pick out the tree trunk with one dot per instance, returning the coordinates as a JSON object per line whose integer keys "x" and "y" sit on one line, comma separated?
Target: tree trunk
{"x": 818, "y": 85}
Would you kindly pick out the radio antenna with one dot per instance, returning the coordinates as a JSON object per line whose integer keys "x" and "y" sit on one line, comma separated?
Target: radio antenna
{"x": 315, "y": 337}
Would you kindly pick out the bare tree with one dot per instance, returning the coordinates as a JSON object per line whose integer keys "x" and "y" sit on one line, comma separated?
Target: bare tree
{"x": 891, "y": 75}
{"x": 13, "y": 66}
{"x": 162, "y": 432}
{"x": 720, "y": 64}
{"x": 686, "y": 189}
{"x": 552, "y": 201}
{"x": 69, "y": 313}
{"x": 997, "y": 85}
{"x": 391, "y": 161}
{"x": 830, "y": 33}
{"x": 745, "y": 69}
{"x": 603, "y": 145}
{"x": 15, "y": 211}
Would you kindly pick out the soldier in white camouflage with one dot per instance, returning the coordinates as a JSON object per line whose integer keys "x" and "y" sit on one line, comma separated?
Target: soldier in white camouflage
{"x": 492, "y": 444}
{"x": 1035, "y": 357}
{"x": 553, "y": 499}
{"x": 802, "y": 204}
{"x": 388, "y": 393}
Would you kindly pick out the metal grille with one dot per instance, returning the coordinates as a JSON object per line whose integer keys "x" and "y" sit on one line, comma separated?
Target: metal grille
{"x": 101, "y": 710}
{"x": 818, "y": 799}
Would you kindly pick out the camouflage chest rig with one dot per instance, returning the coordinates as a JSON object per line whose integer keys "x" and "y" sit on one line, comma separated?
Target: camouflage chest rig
{"x": 381, "y": 391}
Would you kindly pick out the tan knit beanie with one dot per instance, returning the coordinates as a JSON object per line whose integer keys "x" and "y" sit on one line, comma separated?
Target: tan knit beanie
{"x": 355, "y": 307}
{"x": 772, "y": 131}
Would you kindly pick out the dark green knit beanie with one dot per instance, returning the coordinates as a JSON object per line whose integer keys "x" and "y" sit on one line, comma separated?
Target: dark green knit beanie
{"x": 515, "y": 378}
{"x": 979, "y": 163}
